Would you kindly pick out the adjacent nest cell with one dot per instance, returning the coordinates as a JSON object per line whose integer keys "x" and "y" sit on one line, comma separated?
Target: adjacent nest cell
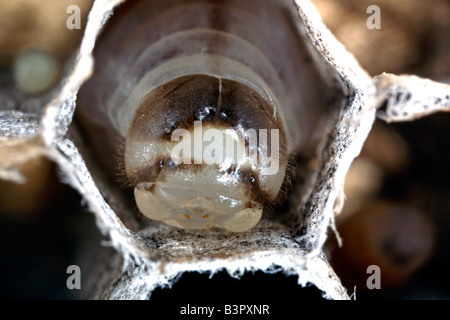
{"x": 292, "y": 243}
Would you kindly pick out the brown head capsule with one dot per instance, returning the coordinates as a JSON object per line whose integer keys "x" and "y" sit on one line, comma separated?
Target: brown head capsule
{"x": 208, "y": 96}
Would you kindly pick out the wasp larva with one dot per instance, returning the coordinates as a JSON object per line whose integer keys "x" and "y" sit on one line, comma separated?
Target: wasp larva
{"x": 210, "y": 99}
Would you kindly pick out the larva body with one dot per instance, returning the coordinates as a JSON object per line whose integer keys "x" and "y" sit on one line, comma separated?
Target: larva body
{"x": 211, "y": 97}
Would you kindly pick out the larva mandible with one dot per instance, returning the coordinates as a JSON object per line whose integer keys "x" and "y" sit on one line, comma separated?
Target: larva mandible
{"x": 210, "y": 68}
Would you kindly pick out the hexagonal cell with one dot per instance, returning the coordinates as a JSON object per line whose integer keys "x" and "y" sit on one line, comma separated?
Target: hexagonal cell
{"x": 162, "y": 66}
{"x": 236, "y": 68}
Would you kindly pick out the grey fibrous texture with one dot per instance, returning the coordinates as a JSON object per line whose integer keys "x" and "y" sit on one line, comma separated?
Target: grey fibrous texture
{"x": 157, "y": 256}
{"x": 410, "y": 97}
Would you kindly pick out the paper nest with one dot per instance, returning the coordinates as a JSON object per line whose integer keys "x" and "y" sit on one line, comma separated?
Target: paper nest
{"x": 157, "y": 256}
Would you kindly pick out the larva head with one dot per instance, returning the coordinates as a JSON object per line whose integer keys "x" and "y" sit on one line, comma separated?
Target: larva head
{"x": 205, "y": 152}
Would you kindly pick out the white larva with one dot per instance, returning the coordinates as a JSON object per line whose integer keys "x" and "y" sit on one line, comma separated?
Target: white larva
{"x": 234, "y": 67}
